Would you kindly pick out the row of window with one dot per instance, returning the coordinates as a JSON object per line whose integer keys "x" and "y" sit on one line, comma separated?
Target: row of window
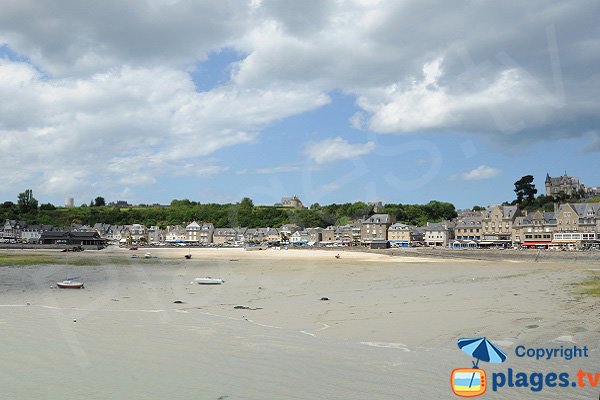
{"x": 544, "y": 236}
{"x": 574, "y": 236}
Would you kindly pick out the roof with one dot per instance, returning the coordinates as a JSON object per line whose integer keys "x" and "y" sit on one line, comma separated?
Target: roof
{"x": 378, "y": 219}
{"x": 559, "y": 180}
{"x": 399, "y": 227}
{"x": 84, "y": 234}
{"x": 67, "y": 234}
{"x": 508, "y": 212}
{"x": 547, "y": 216}
{"x": 436, "y": 228}
{"x": 225, "y": 232}
{"x": 469, "y": 222}
{"x": 582, "y": 209}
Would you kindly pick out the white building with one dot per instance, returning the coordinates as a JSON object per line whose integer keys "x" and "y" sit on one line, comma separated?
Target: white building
{"x": 439, "y": 234}
{"x": 299, "y": 237}
{"x": 138, "y": 232}
{"x": 192, "y": 231}
{"x": 176, "y": 234}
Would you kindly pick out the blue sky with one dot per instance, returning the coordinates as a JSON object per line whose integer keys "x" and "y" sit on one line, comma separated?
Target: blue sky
{"x": 334, "y": 102}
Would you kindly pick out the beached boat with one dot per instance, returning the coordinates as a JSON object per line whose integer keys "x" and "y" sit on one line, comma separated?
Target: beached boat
{"x": 70, "y": 283}
{"x": 209, "y": 281}
{"x": 188, "y": 256}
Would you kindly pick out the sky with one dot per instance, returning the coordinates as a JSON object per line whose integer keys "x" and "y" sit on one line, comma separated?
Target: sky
{"x": 333, "y": 101}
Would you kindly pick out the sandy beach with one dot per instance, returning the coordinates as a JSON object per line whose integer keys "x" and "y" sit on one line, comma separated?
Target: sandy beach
{"x": 285, "y": 324}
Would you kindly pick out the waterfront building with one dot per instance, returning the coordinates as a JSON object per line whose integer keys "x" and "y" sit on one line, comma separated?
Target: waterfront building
{"x": 577, "y": 224}
{"x": 224, "y": 235}
{"x": 375, "y": 228}
{"x": 468, "y": 228}
{"x": 497, "y": 225}
{"x": 328, "y": 235}
{"x": 176, "y": 234}
{"x": 12, "y": 229}
{"x": 299, "y": 237}
{"x": 534, "y": 230}
{"x": 206, "y": 233}
{"x": 315, "y": 235}
{"x": 399, "y": 235}
{"x": 439, "y": 234}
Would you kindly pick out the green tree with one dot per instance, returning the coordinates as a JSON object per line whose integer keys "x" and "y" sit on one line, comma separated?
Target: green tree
{"x": 478, "y": 208}
{"x": 47, "y": 207}
{"x": 99, "y": 201}
{"x": 27, "y": 202}
{"x": 525, "y": 189}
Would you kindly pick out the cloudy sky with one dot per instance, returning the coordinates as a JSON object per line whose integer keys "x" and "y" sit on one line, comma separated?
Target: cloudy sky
{"x": 398, "y": 101}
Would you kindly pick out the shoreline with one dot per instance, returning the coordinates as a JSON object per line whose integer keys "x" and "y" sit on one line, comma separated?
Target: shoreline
{"x": 420, "y": 254}
{"x": 538, "y": 256}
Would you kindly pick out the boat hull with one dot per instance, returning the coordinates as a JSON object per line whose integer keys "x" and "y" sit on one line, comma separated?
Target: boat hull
{"x": 209, "y": 281}
{"x": 72, "y": 285}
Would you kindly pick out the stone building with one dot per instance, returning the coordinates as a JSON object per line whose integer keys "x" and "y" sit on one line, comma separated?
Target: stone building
{"x": 564, "y": 185}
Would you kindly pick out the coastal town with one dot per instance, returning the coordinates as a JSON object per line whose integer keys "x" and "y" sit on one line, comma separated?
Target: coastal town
{"x": 303, "y": 200}
{"x": 571, "y": 225}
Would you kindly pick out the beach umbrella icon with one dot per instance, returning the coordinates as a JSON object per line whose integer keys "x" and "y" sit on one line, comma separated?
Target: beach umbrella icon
{"x": 482, "y": 349}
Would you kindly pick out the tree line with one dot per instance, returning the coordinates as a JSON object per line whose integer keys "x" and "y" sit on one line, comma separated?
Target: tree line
{"x": 243, "y": 213}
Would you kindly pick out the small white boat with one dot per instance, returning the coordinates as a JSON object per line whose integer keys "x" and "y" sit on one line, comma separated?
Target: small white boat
{"x": 70, "y": 283}
{"x": 148, "y": 255}
{"x": 209, "y": 281}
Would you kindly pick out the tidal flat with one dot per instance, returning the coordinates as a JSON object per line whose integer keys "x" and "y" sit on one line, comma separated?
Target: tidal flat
{"x": 309, "y": 326}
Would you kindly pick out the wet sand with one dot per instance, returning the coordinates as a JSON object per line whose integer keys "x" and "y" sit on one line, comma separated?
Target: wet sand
{"x": 388, "y": 329}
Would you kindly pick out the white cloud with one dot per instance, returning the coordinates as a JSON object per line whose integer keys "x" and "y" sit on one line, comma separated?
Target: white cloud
{"x": 357, "y": 120}
{"x": 501, "y": 105}
{"x": 489, "y": 78}
{"x": 126, "y": 125}
{"x": 332, "y": 150}
{"x": 481, "y": 172}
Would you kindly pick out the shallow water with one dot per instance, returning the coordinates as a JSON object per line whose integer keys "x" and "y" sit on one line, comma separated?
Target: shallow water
{"x": 131, "y": 341}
